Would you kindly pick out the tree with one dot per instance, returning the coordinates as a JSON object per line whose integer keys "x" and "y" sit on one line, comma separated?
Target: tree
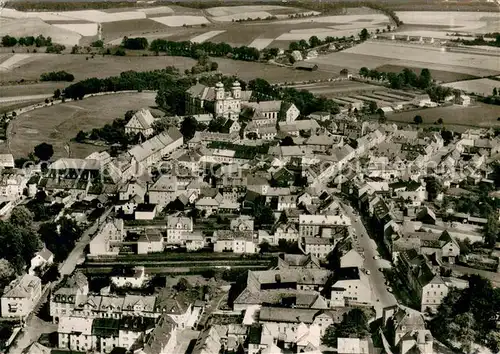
{"x": 188, "y": 128}
{"x": 44, "y": 151}
{"x": 182, "y": 285}
{"x": 81, "y": 136}
{"x": 372, "y": 106}
{"x": 364, "y": 35}
{"x": 495, "y": 91}
{"x": 21, "y": 216}
{"x": 353, "y": 325}
{"x": 418, "y": 119}
{"x": 440, "y": 121}
{"x": 382, "y": 119}
{"x": 447, "y": 136}
{"x": 7, "y": 271}
{"x": 8, "y": 41}
{"x": 214, "y": 66}
{"x": 314, "y": 41}
{"x": 364, "y": 71}
{"x": 433, "y": 187}
{"x": 491, "y": 230}
{"x": 462, "y": 330}
{"x": 57, "y": 94}
{"x": 287, "y": 141}
{"x": 216, "y": 125}
{"x": 264, "y": 247}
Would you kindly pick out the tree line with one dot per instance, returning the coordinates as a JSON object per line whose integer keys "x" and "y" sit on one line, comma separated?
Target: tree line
{"x": 195, "y": 50}
{"x": 128, "y": 80}
{"x": 28, "y": 41}
{"x": 57, "y": 76}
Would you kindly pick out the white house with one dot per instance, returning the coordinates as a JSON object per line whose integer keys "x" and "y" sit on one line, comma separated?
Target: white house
{"x": 234, "y": 241}
{"x": 150, "y": 242}
{"x": 178, "y": 229}
{"x": 75, "y": 333}
{"x": 163, "y": 191}
{"x": 106, "y": 239}
{"x": 351, "y": 285}
{"x": 135, "y": 278}
{"x": 41, "y": 259}
{"x": 145, "y": 211}
{"x": 141, "y": 122}
{"x": 20, "y": 296}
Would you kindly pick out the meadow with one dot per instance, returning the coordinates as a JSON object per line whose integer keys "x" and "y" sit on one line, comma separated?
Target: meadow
{"x": 60, "y": 123}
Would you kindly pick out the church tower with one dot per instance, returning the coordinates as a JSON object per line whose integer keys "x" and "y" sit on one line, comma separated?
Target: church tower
{"x": 236, "y": 90}
{"x": 219, "y": 99}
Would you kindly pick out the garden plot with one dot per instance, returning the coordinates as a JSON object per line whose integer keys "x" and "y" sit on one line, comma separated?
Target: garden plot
{"x": 426, "y": 54}
{"x": 84, "y": 29}
{"x": 261, "y": 43}
{"x": 179, "y": 21}
{"x": 480, "y": 86}
{"x": 35, "y": 26}
{"x": 206, "y": 36}
{"x": 335, "y": 88}
{"x": 475, "y": 22}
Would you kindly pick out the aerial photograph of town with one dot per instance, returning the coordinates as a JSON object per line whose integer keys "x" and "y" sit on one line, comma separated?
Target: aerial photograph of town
{"x": 250, "y": 177}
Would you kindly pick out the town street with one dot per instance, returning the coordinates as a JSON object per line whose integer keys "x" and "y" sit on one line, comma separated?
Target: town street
{"x": 381, "y": 296}
{"x": 77, "y": 253}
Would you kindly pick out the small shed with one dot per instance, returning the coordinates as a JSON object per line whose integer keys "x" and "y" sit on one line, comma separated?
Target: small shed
{"x": 306, "y": 66}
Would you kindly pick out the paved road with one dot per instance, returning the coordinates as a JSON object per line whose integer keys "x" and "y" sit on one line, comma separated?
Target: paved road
{"x": 77, "y": 254}
{"x": 381, "y": 296}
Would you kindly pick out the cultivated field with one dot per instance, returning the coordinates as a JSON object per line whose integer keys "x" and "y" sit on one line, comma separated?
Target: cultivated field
{"x": 43, "y": 88}
{"x": 377, "y": 54}
{"x": 58, "y": 124}
{"x": 454, "y": 117}
{"x": 481, "y": 86}
{"x": 426, "y": 54}
{"x": 473, "y": 22}
{"x": 336, "y": 88}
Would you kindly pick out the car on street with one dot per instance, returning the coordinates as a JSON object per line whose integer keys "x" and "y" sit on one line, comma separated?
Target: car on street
{"x": 367, "y": 272}
{"x": 389, "y": 289}
{"x": 376, "y": 257}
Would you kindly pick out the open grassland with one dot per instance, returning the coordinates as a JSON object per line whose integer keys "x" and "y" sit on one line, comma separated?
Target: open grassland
{"x": 42, "y": 88}
{"x": 481, "y": 86}
{"x": 274, "y": 74}
{"x": 58, "y": 124}
{"x": 99, "y": 66}
{"x": 454, "y": 117}
{"x": 438, "y": 75}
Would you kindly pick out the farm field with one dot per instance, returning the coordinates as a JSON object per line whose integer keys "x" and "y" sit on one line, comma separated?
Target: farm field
{"x": 438, "y": 75}
{"x": 272, "y": 73}
{"x": 427, "y": 54}
{"x": 376, "y": 56}
{"x": 58, "y": 124}
{"x": 460, "y": 21}
{"x": 454, "y": 117}
{"x": 480, "y": 86}
{"x": 97, "y": 67}
{"x": 336, "y": 88}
